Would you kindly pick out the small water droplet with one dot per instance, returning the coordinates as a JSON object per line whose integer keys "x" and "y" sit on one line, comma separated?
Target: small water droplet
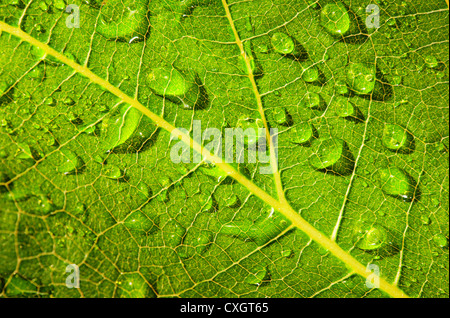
{"x": 286, "y": 253}
{"x": 310, "y": 72}
{"x": 140, "y": 222}
{"x": 345, "y": 108}
{"x": 361, "y": 78}
{"x": 431, "y": 61}
{"x": 43, "y": 6}
{"x": 425, "y": 220}
{"x": 313, "y": 100}
{"x": 111, "y": 171}
{"x": 282, "y": 43}
{"x": 173, "y": 233}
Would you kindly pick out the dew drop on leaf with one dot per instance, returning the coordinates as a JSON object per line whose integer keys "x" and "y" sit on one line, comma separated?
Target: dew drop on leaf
{"x": 441, "y": 240}
{"x": 139, "y": 221}
{"x": 425, "y": 219}
{"x": 173, "y": 233}
{"x": 257, "y": 277}
{"x": 133, "y": 286}
{"x": 70, "y": 162}
{"x": 301, "y": 133}
{"x": 310, "y": 72}
{"x": 397, "y": 183}
{"x": 331, "y": 154}
{"x": 111, "y": 171}
{"x": 313, "y": 100}
{"x": 177, "y": 87}
{"x": 396, "y": 138}
{"x": 372, "y": 238}
{"x": 345, "y": 108}
{"x": 335, "y": 19}
{"x": 361, "y": 78}
{"x": 431, "y": 61}
{"x": 282, "y": 43}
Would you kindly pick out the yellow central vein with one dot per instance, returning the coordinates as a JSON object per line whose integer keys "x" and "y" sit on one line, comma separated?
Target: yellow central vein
{"x": 282, "y": 207}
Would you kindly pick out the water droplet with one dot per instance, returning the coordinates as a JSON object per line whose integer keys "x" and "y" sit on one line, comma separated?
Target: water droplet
{"x": 140, "y": 222}
{"x": 335, "y": 19}
{"x": 130, "y": 26}
{"x": 331, "y": 154}
{"x": 397, "y": 138}
{"x": 19, "y": 286}
{"x": 302, "y": 133}
{"x": 24, "y": 151}
{"x": 255, "y": 124}
{"x": 43, "y": 6}
{"x": 165, "y": 183}
{"x": 112, "y": 172}
{"x": 279, "y": 116}
{"x": 310, "y": 72}
{"x": 71, "y": 163}
{"x": 59, "y": 4}
{"x": 441, "y": 240}
{"x": 50, "y": 101}
{"x": 173, "y": 233}
{"x": 196, "y": 241}
{"x": 425, "y": 220}
{"x": 177, "y": 87}
{"x": 210, "y": 169}
{"x": 257, "y": 277}
{"x": 37, "y": 73}
{"x": 249, "y": 55}
{"x": 283, "y": 43}
{"x": 144, "y": 190}
{"x": 126, "y": 129}
{"x": 264, "y": 229}
{"x": 431, "y": 61}
{"x": 345, "y": 108}
{"x": 372, "y": 238}
{"x": 286, "y": 253}
{"x": 133, "y": 286}
{"x": 45, "y": 206}
{"x": 68, "y": 101}
{"x": 341, "y": 87}
{"x": 79, "y": 208}
{"x": 232, "y": 201}
{"x": 396, "y": 80}
{"x": 397, "y": 183}
{"x": 361, "y": 78}
{"x": 313, "y": 100}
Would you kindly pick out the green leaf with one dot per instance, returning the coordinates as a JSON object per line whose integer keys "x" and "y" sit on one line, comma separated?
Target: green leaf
{"x": 360, "y": 175}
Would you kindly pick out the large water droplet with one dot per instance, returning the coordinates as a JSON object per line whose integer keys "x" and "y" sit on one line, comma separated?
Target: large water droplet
{"x": 283, "y": 43}
{"x": 345, "y": 108}
{"x": 173, "y": 233}
{"x": 126, "y": 129}
{"x": 397, "y": 183}
{"x": 374, "y": 238}
{"x": 124, "y": 20}
{"x": 257, "y": 277}
{"x": 361, "y": 78}
{"x": 310, "y": 72}
{"x": 179, "y": 88}
{"x": 111, "y": 171}
{"x": 133, "y": 286}
{"x": 71, "y": 163}
{"x": 254, "y": 124}
{"x": 302, "y": 133}
{"x": 140, "y": 222}
{"x": 397, "y": 138}
{"x": 335, "y": 19}
{"x": 441, "y": 240}
{"x": 331, "y": 154}
{"x": 313, "y": 100}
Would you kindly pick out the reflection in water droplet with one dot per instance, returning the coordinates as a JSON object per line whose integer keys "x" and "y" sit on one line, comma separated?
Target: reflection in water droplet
{"x": 112, "y": 172}
{"x": 345, "y": 108}
{"x": 140, "y": 222}
{"x": 310, "y": 72}
{"x": 302, "y": 133}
